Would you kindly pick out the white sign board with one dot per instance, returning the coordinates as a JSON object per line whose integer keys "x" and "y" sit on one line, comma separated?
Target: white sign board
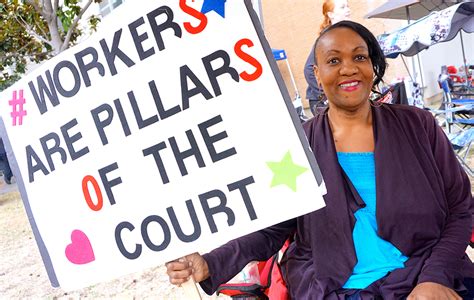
{"x": 169, "y": 131}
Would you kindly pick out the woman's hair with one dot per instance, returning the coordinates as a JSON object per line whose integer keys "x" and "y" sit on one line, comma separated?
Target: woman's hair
{"x": 328, "y": 6}
{"x": 375, "y": 52}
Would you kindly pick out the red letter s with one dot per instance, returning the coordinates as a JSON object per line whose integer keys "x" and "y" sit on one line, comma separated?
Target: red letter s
{"x": 249, "y": 59}
{"x": 194, "y": 13}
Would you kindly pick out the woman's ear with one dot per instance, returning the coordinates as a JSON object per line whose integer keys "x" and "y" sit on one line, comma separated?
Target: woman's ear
{"x": 316, "y": 74}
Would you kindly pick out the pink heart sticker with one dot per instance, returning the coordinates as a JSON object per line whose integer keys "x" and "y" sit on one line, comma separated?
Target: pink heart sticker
{"x": 80, "y": 251}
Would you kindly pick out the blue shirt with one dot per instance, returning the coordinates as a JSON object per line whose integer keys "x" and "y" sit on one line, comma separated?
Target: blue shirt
{"x": 375, "y": 256}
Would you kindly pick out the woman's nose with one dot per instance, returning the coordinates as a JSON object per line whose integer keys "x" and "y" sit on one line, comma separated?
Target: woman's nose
{"x": 348, "y": 69}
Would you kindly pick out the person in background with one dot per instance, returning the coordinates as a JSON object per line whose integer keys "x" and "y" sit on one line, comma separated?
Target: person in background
{"x": 333, "y": 12}
{"x": 398, "y": 212}
{"x": 444, "y": 76}
{"x": 7, "y": 172}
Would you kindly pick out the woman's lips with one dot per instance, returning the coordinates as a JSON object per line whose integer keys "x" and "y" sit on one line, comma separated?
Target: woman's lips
{"x": 349, "y": 86}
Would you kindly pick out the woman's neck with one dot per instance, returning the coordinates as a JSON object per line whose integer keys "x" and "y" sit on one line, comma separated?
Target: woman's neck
{"x": 352, "y": 130}
{"x": 342, "y": 118}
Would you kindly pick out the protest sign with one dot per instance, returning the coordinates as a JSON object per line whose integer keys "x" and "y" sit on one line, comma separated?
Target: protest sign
{"x": 167, "y": 132}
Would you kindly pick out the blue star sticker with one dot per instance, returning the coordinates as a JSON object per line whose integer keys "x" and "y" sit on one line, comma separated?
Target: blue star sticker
{"x": 216, "y": 5}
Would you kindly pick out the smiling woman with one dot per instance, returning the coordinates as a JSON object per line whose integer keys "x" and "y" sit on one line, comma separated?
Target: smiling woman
{"x": 344, "y": 70}
{"x": 398, "y": 216}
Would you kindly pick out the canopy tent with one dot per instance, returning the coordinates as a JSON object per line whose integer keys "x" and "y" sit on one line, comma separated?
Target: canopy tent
{"x": 437, "y": 27}
{"x": 409, "y": 9}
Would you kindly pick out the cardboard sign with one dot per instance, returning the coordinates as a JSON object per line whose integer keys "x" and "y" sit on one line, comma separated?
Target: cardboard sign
{"x": 167, "y": 132}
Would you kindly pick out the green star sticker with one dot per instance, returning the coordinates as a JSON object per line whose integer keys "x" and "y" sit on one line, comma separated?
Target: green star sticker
{"x": 285, "y": 172}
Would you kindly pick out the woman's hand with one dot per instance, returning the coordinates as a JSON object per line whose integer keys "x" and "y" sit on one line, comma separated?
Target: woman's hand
{"x": 180, "y": 271}
{"x": 432, "y": 291}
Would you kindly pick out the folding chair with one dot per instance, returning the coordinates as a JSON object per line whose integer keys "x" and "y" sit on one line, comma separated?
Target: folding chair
{"x": 251, "y": 290}
{"x": 456, "y": 113}
{"x": 465, "y": 115}
{"x": 462, "y": 142}
{"x": 456, "y": 110}
{"x": 271, "y": 286}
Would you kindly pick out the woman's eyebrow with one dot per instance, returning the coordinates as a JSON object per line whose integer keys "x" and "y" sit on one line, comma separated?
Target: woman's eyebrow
{"x": 332, "y": 50}
{"x": 353, "y": 50}
{"x": 360, "y": 48}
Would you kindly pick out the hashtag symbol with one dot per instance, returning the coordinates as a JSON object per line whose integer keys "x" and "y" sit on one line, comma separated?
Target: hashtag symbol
{"x": 17, "y": 108}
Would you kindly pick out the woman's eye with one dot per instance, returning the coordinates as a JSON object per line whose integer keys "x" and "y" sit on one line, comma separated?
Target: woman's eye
{"x": 361, "y": 57}
{"x": 333, "y": 61}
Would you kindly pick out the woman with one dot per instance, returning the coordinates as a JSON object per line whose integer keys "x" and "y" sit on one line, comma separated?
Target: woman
{"x": 398, "y": 215}
{"x": 333, "y": 11}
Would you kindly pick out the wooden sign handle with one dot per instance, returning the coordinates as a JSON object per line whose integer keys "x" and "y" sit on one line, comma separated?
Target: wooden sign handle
{"x": 191, "y": 290}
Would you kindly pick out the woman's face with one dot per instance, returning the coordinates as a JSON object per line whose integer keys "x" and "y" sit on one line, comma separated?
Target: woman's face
{"x": 340, "y": 12}
{"x": 344, "y": 69}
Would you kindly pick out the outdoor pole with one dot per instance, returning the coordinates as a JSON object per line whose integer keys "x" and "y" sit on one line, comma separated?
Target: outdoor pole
{"x": 464, "y": 59}
{"x": 407, "y": 8}
{"x": 297, "y": 93}
{"x": 406, "y": 67}
{"x": 421, "y": 75}
{"x": 412, "y": 59}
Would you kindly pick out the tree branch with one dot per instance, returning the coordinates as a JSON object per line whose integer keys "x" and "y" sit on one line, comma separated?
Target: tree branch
{"x": 48, "y": 13}
{"x": 74, "y": 25}
{"x": 40, "y": 28}
{"x": 39, "y": 37}
{"x": 55, "y": 5}
{"x": 30, "y": 31}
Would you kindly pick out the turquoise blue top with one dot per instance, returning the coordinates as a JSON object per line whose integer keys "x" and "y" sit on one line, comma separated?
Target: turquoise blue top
{"x": 375, "y": 256}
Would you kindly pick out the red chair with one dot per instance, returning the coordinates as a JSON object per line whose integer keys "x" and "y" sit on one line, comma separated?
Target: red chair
{"x": 272, "y": 286}
{"x": 455, "y": 76}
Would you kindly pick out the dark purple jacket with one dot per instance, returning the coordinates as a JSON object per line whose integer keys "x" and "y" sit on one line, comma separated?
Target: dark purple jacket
{"x": 424, "y": 208}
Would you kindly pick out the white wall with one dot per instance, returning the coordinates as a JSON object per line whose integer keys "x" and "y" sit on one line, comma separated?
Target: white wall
{"x": 446, "y": 53}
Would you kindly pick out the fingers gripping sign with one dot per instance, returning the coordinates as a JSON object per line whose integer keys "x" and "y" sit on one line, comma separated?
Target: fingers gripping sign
{"x": 186, "y": 271}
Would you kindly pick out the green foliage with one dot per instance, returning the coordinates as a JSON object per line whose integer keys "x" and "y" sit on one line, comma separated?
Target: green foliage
{"x": 17, "y": 46}
{"x": 25, "y": 34}
{"x": 67, "y": 13}
{"x": 7, "y": 80}
{"x": 93, "y": 23}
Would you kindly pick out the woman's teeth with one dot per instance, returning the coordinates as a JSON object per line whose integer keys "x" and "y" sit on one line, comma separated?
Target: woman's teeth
{"x": 349, "y": 84}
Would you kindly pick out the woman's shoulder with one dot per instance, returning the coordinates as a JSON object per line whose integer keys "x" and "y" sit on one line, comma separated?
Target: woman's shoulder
{"x": 403, "y": 108}
{"x": 313, "y": 124}
{"x": 412, "y": 119}
{"x": 309, "y": 123}
{"x": 408, "y": 113}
